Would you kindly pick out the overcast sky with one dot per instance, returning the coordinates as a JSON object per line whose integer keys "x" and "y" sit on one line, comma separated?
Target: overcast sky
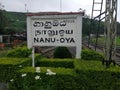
{"x": 51, "y": 5}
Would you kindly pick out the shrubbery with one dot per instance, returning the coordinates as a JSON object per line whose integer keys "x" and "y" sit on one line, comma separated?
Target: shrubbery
{"x": 7, "y": 72}
{"x": 88, "y": 54}
{"x": 62, "y": 52}
{"x": 19, "y": 52}
{"x": 10, "y": 66}
{"x": 53, "y": 82}
{"x": 71, "y": 74}
{"x": 88, "y": 75}
{"x": 61, "y": 81}
{"x": 66, "y": 63}
{"x": 97, "y": 77}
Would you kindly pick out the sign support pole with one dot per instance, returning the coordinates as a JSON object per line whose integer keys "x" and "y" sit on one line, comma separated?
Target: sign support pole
{"x": 33, "y": 56}
{"x": 79, "y": 37}
{"x": 78, "y": 54}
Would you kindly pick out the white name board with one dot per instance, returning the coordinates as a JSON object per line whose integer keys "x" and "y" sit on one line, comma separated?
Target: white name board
{"x": 54, "y": 30}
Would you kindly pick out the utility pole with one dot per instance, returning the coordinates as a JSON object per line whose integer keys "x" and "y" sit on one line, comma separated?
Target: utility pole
{"x": 25, "y": 7}
{"x": 1, "y": 6}
{"x": 110, "y": 31}
{"x": 26, "y": 10}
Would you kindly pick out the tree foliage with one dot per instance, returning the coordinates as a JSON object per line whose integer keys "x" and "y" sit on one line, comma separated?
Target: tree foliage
{"x": 3, "y": 21}
{"x": 15, "y": 22}
{"x": 12, "y": 22}
{"x": 92, "y": 26}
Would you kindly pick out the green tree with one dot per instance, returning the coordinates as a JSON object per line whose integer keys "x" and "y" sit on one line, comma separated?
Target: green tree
{"x": 92, "y": 26}
{"x": 3, "y": 21}
{"x": 86, "y": 26}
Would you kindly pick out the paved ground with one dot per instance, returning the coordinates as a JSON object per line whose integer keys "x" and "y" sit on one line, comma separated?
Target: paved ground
{"x": 4, "y": 86}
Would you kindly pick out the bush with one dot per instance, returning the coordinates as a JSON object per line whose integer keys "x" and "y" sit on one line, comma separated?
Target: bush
{"x": 66, "y": 63}
{"x": 20, "y": 52}
{"x": 13, "y": 61}
{"x": 87, "y": 75}
{"x": 7, "y": 72}
{"x": 62, "y": 52}
{"x": 10, "y": 66}
{"x": 90, "y": 75}
{"x": 29, "y": 61}
{"x": 88, "y": 54}
{"x": 63, "y": 80}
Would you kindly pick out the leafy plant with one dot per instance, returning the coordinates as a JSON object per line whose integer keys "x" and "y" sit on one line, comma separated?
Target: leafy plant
{"x": 88, "y": 75}
{"x": 19, "y": 52}
{"x": 88, "y": 54}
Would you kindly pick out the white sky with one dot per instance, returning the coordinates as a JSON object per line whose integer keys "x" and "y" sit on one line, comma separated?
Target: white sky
{"x": 51, "y": 5}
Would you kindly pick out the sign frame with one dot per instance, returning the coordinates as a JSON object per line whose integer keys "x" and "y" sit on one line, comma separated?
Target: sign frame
{"x": 77, "y": 16}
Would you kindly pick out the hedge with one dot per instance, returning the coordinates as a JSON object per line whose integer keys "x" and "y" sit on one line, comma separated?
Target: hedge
{"x": 57, "y": 82}
{"x": 9, "y": 67}
{"x": 13, "y": 61}
{"x": 61, "y": 81}
{"x": 96, "y": 76}
{"x": 90, "y": 78}
{"x": 59, "y": 70}
{"x": 20, "y": 52}
{"x": 7, "y": 72}
{"x": 86, "y": 75}
{"x": 94, "y": 66}
{"x": 66, "y": 63}
{"x": 88, "y": 54}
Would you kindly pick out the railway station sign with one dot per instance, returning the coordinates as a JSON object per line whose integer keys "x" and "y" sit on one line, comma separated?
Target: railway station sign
{"x": 55, "y": 29}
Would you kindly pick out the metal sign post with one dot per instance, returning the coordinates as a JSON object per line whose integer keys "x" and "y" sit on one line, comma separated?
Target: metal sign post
{"x": 33, "y": 56}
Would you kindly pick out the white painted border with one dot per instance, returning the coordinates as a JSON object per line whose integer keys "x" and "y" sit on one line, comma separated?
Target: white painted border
{"x": 78, "y": 30}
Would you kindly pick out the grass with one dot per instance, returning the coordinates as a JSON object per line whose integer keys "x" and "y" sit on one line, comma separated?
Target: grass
{"x": 101, "y": 40}
{"x": 118, "y": 41}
